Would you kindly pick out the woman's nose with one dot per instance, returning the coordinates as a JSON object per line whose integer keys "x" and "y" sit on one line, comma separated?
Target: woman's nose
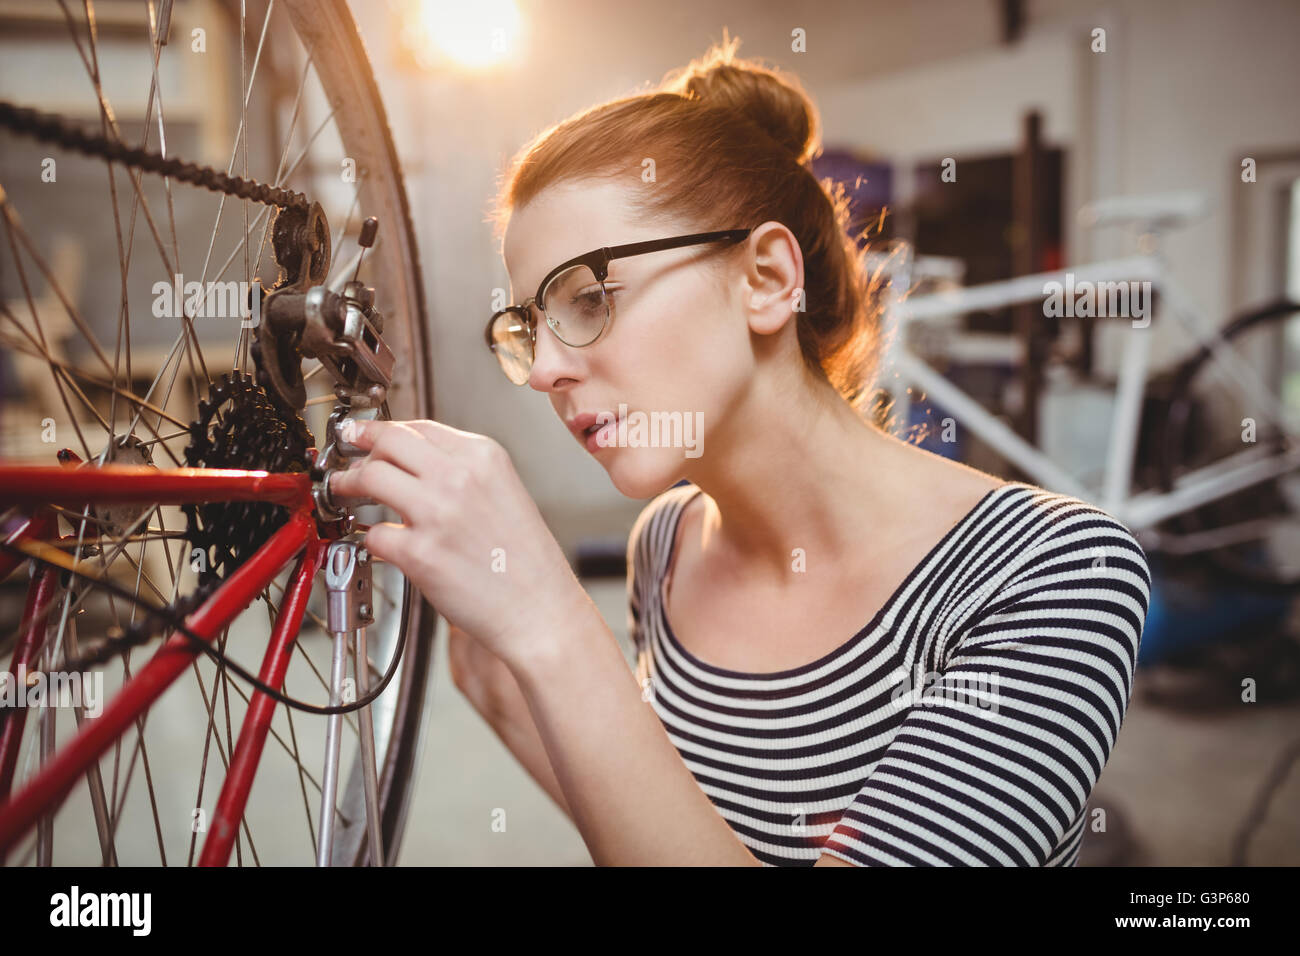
{"x": 552, "y": 359}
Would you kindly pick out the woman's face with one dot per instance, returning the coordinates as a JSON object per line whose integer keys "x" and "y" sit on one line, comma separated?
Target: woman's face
{"x": 676, "y": 351}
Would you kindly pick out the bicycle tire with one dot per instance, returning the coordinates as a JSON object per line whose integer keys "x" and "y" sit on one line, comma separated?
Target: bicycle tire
{"x": 1174, "y": 447}
{"x": 328, "y": 32}
{"x": 333, "y": 28}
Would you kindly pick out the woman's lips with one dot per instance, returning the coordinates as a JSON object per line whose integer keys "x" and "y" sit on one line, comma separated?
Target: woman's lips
{"x": 592, "y": 438}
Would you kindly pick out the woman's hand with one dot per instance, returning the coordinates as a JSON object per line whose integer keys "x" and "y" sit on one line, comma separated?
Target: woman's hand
{"x": 472, "y": 539}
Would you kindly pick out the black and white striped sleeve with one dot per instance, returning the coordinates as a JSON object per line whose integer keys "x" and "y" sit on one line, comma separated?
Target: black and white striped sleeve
{"x": 1000, "y": 750}
{"x": 639, "y": 570}
{"x": 633, "y": 595}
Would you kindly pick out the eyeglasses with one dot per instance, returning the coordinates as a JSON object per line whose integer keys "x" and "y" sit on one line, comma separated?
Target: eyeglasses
{"x": 574, "y": 300}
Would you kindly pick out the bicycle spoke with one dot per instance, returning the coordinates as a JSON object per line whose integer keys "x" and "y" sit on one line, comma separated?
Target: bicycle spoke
{"x": 171, "y": 437}
{"x": 55, "y": 373}
{"x": 86, "y": 590}
{"x": 126, "y": 676}
{"x": 302, "y": 774}
{"x": 142, "y": 751}
{"x": 137, "y": 393}
{"x": 56, "y": 366}
{"x": 95, "y": 776}
{"x": 107, "y": 113}
{"x": 288, "y": 750}
{"x": 230, "y": 745}
{"x": 155, "y": 90}
{"x": 246, "y": 90}
{"x": 173, "y": 354}
{"x": 243, "y": 124}
{"x": 284, "y": 152}
{"x": 14, "y": 228}
{"x": 209, "y": 704}
{"x": 280, "y": 180}
{"x": 343, "y": 231}
{"x": 47, "y": 732}
{"x": 91, "y": 380}
{"x": 41, "y": 352}
{"x": 307, "y": 658}
{"x": 123, "y": 250}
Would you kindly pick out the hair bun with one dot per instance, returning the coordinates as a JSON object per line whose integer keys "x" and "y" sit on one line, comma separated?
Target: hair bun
{"x": 777, "y": 105}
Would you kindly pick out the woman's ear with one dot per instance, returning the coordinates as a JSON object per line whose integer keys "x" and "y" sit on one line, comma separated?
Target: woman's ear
{"x": 773, "y": 290}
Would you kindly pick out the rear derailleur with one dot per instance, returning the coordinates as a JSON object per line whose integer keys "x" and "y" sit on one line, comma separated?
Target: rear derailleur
{"x": 343, "y": 330}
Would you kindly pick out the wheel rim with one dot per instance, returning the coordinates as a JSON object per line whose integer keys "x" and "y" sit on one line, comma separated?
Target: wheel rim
{"x": 328, "y": 117}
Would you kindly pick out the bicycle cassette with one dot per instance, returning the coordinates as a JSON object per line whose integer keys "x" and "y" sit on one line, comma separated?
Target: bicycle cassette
{"x": 239, "y": 426}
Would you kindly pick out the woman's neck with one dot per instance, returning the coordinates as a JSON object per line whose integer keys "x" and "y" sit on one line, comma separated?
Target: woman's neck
{"x": 800, "y": 469}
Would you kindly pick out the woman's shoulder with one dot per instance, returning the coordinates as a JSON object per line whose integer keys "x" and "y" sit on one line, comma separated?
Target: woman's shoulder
{"x": 652, "y": 531}
{"x": 1055, "y": 515}
{"x": 649, "y": 546}
{"x": 1059, "y": 533}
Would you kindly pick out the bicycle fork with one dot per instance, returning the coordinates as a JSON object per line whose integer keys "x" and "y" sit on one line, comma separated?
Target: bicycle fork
{"x": 350, "y": 609}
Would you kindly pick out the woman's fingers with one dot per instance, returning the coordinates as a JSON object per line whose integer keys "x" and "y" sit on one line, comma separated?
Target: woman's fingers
{"x": 382, "y": 481}
{"x": 445, "y": 439}
{"x": 462, "y": 502}
{"x": 391, "y": 543}
{"x": 366, "y": 432}
{"x": 400, "y": 444}
{"x": 359, "y": 431}
{"x": 400, "y": 450}
{"x": 448, "y": 439}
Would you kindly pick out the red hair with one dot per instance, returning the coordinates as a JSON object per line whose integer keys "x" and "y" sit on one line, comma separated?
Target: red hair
{"x": 732, "y": 143}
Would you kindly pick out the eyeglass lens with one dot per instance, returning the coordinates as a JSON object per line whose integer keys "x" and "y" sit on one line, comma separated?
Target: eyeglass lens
{"x": 576, "y": 311}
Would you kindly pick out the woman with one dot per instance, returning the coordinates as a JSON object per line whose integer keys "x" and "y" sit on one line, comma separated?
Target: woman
{"x": 966, "y": 723}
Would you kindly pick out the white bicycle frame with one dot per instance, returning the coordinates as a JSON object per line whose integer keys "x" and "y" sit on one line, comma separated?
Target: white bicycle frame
{"x": 1141, "y": 512}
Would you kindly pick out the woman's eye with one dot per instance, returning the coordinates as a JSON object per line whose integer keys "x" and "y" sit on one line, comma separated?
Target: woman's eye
{"x": 591, "y": 296}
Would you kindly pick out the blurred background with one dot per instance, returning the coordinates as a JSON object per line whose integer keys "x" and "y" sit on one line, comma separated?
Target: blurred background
{"x": 1041, "y": 107}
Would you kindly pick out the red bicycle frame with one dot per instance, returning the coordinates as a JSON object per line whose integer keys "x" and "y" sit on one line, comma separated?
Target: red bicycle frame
{"x": 41, "y": 486}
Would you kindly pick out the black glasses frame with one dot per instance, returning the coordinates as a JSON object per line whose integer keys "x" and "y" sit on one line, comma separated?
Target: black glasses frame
{"x": 598, "y": 261}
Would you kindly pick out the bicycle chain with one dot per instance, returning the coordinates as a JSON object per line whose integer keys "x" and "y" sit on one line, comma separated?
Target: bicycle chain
{"x": 54, "y": 129}
{"x": 142, "y": 629}
{"x": 239, "y": 426}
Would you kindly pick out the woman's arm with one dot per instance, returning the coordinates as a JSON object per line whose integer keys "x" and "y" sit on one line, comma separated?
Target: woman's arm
{"x": 1002, "y": 745}
{"x": 474, "y": 542}
{"x": 488, "y": 684}
{"x": 630, "y": 793}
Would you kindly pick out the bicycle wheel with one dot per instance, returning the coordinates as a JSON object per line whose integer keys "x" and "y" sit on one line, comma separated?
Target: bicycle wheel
{"x": 1246, "y": 410}
{"x": 278, "y": 91}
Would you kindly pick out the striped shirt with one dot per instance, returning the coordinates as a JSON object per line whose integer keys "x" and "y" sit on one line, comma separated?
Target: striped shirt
{"x": 966, "y": 724}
